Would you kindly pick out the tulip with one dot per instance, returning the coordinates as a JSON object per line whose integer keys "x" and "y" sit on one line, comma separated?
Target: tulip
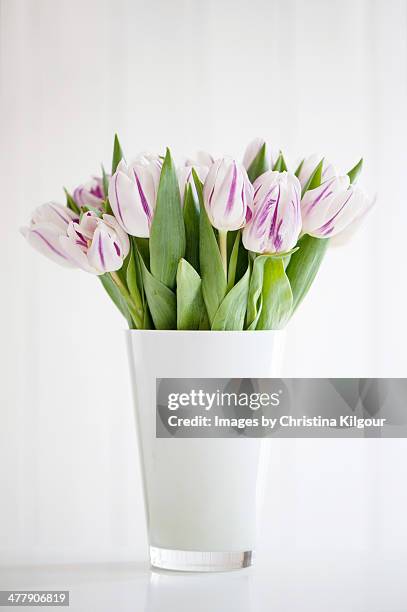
{"x": 228, "y": 195}
{"x": 185, "y": 178}
{"x": 332, "y": 207}
{"x": 96, "y": 244}
{"x": 276, "y": 222}
{"x": 308, "y": 166}
{"x": 132, "y": 195}
{"x": 90, "y": 194}
{"x": 48, "y": 223}
{"x": 253, "y": 149}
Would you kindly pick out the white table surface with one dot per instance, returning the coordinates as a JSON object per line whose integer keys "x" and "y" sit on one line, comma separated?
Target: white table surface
{"x": 361, "y": 582}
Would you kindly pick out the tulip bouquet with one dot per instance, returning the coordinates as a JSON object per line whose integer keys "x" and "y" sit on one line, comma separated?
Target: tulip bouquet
{"x": 214, "y": 245}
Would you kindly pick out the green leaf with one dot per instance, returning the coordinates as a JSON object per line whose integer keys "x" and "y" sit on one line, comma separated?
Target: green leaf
{"x": 304, "y": 265}
{"x": 135, "y": 307}
{"x": 297, "y": 172}
{"x": 105, "y": 182}
{"x": 255, "y": 299}
{"x": 92, "y": 209}
{"x": 231, "y": 237}
{"x": 204, "y": 324}
{"x": 161, "y": 300}
{"x": 190, "y": 304}
{"x": 212, "y": 274}
{"x": 147, "y": 320}
{"x": 143, "y": 248}
{"x": 122, "y": 272}
{"x": 242, "y": 262}
{"x": 356, "y": 170}
{"x": 191, "y": 219}
{"x": 117, "y": 298}
{"x": 233, "y": 261}
{"x": 139, "y": 273}
{"x": 253, "y": 324}
{"x": 280, "y": 165}
{"x": 107, "y": 207}
{"x": 314, "y": 180}
{"x": 259, "y": 165}
{"x": 70, "y": 202}
{"x": 117, "y": 153}
{"x": 277, "y": 297}
{"x": 231, "y": 313}
{"x": 138, "y": 256}
{"x": 132, "y": 281}
{"x": 167, "y": 236}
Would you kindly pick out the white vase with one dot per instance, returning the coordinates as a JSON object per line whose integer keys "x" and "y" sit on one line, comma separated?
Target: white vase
{"x": 201, "y": 495}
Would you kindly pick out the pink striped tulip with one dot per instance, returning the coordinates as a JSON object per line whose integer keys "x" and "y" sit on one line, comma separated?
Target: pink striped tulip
{"x": 48, "y": 223}
{"x": 276, "y": 222}
{"x": 90, "y": 194}
{"x": 228, "y": 195}
{"x": 332, "y": 207}
{"x": 96, "y": 244}
{"x": 132, "y": 195}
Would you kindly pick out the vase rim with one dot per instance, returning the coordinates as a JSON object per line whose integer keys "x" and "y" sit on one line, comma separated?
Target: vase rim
{"x": 201, "y": 331}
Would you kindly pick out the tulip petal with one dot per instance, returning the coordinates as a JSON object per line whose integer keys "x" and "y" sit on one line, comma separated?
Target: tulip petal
{"x": 75, "y": 253}
{"x": 345, "y": 235}
{"x": 88, "y": 224}
{"x": 232, "y": 191}
{"x": 104, "y": 254}
{"x": 227, "y": 195}
{"x": 325, "y": 205}
{"x": 45, "y": 239}
{"x": 308, "y": 166}
{"x": 276, "y": 221}
{"x": 336, "y": 212}
{"x": 132, "y": 197}
{"x": 53, "y": 213}
{"x": 144, "y": 203}
{"x": 122, "y": 236}
{"x": 90, "y": 194}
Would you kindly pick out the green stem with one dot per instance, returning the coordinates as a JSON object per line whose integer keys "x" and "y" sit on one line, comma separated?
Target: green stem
{"x": 136, "y": 310}
{"x": 223, "y": 246}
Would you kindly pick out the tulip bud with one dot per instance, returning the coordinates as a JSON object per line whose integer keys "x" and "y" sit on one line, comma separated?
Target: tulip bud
{"x": 90, "y": 194}
{"x": 332, "y": 207}
{"x": 133, "y": 193}
{"x": 308, "y": 166}
{"x": 48, "y": 223}
{"x": 185, "y": 178}
{"x": 96, "y": 244}
{"x": 252, "y": 150}
{"x": 228, "y": 195}
{"x": 276, "y": 222}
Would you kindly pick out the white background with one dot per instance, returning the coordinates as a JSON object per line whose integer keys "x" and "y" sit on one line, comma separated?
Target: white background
{"x": 326, "y": 76}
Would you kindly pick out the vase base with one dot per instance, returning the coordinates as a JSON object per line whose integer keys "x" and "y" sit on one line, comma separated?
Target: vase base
{"x": 199, "y": 561}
